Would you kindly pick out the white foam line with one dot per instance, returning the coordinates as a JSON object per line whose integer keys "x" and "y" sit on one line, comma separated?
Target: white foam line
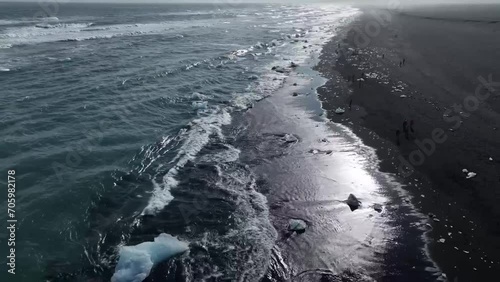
{"x": 196, "y": 138}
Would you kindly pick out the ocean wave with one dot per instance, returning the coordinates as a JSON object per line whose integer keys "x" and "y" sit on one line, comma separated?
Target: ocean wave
{"x": 10, "y": 22}
{"x": 63, "y": 25}
{"x": 196, "y": 137}
{"x": 60, "y": 32}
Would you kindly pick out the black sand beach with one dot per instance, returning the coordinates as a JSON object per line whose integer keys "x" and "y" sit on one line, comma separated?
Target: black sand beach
{"x": 447, "y": 86}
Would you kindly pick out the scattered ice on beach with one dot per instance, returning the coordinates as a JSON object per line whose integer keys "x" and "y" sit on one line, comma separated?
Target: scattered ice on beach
{"x": 491, "y": 159}
{"x": 441, "y": 240}
{"x": 465, "y": 170}
{"x": 4, "y": 69}
{"x": 136, "y": 262}
{"x": 403, "y": 96}
{"x": 466, "y": 251}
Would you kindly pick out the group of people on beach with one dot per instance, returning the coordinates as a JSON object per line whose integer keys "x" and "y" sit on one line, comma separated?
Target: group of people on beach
{"x": 402, "y": 63}
{"x": 407, "y": 128}
{"x": 352, "y": 78}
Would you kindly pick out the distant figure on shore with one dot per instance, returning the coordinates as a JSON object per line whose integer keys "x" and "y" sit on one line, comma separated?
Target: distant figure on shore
{"x": 397, "y": 137}
{"x": 411, "y": 126}
{"x": 383, "y": 56}
{"x": 404, "y": 61}
{"x": 350, "y": 104}
{"x": 405, "y": 129}
{"x": 400, "y": 64}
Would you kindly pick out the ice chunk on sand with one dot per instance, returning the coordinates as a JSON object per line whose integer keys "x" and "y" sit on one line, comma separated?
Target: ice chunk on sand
{"x": 377, "y": 207}
{"x": 297, "y": 225}
{"x": 353, "y": 202}
{"x": 339, "y": 111}
{"x": 471, "y": 175}
{"x": 289, "y": 138}
{"x": 136, "y": 262}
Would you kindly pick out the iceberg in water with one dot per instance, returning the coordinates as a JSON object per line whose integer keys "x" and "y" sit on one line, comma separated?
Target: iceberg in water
{"x": 136, "y": 262}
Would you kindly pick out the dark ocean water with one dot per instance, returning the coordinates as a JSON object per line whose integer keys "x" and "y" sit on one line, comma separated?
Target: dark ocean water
{"x": 124, "y": 122}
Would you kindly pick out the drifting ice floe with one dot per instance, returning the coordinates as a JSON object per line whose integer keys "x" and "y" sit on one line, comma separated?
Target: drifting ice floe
{"x": 136, "y": 262}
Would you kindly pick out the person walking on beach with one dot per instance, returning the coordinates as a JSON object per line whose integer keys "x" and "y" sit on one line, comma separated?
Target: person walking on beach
{"x": 404, "y": 61}
{"x": 400, "y": 64}
{"x": 397, "y": 137}
{"x": 405, "y": 129}
{"x": 350, "y": 104}
{"x": 411, "y": 126}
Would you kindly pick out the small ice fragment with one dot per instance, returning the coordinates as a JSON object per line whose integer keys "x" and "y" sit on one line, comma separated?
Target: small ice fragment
{"x": 441, "y": 240}
{"x": 466, "y": 251}
{"x": 403, "y": 96}
{"x": 491, "y": 159}
{"x": 289, "y": 138}
{"x": 471, "y": 175}
{"x": 353, "y": 202}
{"x": 339, "y": 111}
{"x": 297, "y": 225}
{"x": 465, "y": 170}
{"x": 199, "y": 104}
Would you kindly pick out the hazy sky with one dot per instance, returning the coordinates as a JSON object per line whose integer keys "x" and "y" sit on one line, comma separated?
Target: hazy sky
{"x": 266, "y": 1}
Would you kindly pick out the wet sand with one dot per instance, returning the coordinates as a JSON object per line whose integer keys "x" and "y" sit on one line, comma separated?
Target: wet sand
{"x": 307, "y": 166}
{"x": 443, "y": 60}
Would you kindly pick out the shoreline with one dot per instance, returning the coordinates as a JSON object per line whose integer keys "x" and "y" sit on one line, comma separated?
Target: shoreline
{"x": 378, "y": 110}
